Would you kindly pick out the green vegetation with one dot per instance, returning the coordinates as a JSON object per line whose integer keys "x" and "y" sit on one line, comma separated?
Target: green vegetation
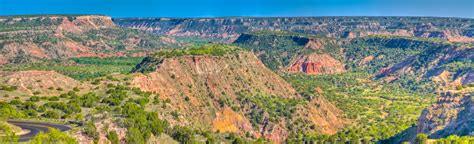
{"x": 125, "y": 61}
{"x": 8, "y": 132}
{"x": 54, "y": 136}
{"x": 113, "y": 137}
{"x": 277, "y": 48}
{"x": 195, "y": 41}
{"x": 380, "y": 111}
{"x": 276, "y": 107}
{"x": 277, "y": 51}
{"x": 210, "y": 49}
{"x": 9, "y": 111}
{"x": 454, "y": 139}
{"x": 421, "y": 139}
{"x": 364, "y": 54}
{"x": 84, "y": 68}
{"x": 8, "y": 88}
{"x": 279, "y": 33}
{"x": 135, "y": 136}
{"x": 24, "y": 24}
{"x": 91, "y": 131}
{"x": 149, "y": 63}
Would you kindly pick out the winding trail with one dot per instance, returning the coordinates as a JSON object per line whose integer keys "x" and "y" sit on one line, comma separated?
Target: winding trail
{"x": 35, "y": 128}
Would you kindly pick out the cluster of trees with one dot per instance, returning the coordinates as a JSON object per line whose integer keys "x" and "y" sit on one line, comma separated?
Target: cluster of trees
{"x": 275, "y": 107}
{"x": 130, "y": 61}
{"x": 277, "y": 51}
{"x": 454, "y": 139}
{"x": 209, "y": 49}
{"x": 146, "y": 123}
{"x": 9, "y": 111}
{"x": 53, "y": 136}
{"x": 380, "y": 112}
{"x": 8, "y": 133}
{"x": 52, "y": 109}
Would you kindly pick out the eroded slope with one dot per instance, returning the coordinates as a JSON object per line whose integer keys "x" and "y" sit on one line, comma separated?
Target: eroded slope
{"x": 232, "y": 91}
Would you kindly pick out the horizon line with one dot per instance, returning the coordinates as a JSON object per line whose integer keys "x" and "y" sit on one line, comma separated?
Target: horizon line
{"x": 209, "y": 17}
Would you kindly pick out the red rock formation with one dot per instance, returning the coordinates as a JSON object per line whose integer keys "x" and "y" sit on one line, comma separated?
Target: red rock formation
{"x": 316, "y": 64}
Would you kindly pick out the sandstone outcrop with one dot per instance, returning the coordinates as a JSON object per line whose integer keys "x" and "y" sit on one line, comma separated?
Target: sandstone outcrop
{"x": 316, "y": 64}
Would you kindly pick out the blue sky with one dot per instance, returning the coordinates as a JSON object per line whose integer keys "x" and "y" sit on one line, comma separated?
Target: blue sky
{"x": 218, "y": 8}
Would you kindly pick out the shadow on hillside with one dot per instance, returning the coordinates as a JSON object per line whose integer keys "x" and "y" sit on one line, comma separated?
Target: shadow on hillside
{"x": 406, "y": 135}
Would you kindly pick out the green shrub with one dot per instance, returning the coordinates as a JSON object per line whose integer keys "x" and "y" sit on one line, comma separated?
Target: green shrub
{"x": 53, "y": 136}
{"x": 51, "y": 114}
{"x": 182, "y": 134}
{"x": 134, "y": 136}
{"x": 34, "y": 99}
{"x": 8, "y": 88}
{"x": 9, "y": 111}
{"x": 54, "y": 98}
{"x": 91, "y": 130}
{"x": 113, "y": 137}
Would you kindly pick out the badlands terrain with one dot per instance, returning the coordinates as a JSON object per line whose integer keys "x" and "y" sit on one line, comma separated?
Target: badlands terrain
{"x": 238, "y": 79}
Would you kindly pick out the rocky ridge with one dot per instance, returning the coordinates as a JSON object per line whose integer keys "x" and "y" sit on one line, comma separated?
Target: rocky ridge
{"x": 451, "y": 29}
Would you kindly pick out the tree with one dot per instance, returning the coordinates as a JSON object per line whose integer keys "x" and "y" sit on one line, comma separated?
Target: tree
{"x": 182, "y": 134}
{"x": 9, "y": 138}
{"x": 54, "y": 136}
{"x": 8, "y": 111}
{"x": 421, "y": 139}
